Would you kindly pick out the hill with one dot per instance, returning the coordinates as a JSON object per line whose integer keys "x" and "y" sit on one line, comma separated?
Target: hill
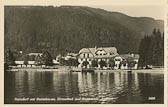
{"x": 70, "y": 28}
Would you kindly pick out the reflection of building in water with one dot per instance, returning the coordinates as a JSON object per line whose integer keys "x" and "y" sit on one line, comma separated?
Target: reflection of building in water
{"x": 56, "y": 79}
{"x": 136, "y": 81}
{"x": 21, "y": 83}
{"x": 89, "y": 81}
{"x": 80, "y": 82}
{"x": 117, "y": 79}
{"x": 108, "y": 86}
{"x": 85, "y": 84}
{"x": 31, "y": 82}
{"x": 64, "y": 84}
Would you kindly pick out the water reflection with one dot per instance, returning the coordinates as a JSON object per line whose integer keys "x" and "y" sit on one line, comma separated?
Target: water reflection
{"x": 107, "y": 87}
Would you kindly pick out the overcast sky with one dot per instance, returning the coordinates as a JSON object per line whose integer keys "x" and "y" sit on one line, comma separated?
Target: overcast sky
{"x": 154, "y": 11}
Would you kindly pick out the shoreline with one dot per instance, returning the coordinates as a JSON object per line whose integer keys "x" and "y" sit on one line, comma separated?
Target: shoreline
{"x": 161, "y": 71}
{"x": 66, "y": 69}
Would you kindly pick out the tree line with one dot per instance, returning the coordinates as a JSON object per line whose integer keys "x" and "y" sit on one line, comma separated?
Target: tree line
{"x": 151, "y": 49}
{"x": 44, "y": 59}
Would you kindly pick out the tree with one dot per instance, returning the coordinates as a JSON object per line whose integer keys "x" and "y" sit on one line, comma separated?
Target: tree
{"x": 102, "y": 63}
{"x": 85, "y": 63}
{"x": 73, "y": 62}
{"x": 26, "y": 58}
{"x": 131, "y": 62}
{"x": 9, "y": 58}
{"x": 151, "y": 49}
{"x": 38, "y": 60}
{"x": 47, "y": 58}
{"x": 63, "y": 61}
{"x": 111, "y": 63}
{"x": 94, "y": 63}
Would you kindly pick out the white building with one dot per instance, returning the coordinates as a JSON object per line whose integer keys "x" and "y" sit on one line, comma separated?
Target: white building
{"x": 35, "y": 54}
{"x": 124, "y": 57}
{"x": 98, "y": 54}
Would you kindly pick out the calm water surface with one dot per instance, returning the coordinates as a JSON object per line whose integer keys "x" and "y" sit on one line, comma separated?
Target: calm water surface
{"x": 103, "y": 87}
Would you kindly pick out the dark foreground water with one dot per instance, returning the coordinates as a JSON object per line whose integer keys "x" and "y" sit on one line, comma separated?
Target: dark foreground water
{"x": 77, "y": 87}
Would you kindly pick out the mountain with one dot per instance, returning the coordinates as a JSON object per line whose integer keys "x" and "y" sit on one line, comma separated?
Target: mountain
{"x": 69, "y": 28}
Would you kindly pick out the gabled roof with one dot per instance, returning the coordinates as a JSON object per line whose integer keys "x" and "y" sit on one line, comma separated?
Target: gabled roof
{"x": 84, "y": 50}
{"x": 94, "y": 50}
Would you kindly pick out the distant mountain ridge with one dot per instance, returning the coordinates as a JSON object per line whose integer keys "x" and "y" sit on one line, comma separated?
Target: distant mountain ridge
{"x": 70, "y": 28}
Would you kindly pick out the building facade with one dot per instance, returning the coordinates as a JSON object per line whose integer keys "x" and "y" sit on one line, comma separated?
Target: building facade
{"x": 106, "y": 54}
{"x": 97, "y": 54}
{"x": 122, "y": 62}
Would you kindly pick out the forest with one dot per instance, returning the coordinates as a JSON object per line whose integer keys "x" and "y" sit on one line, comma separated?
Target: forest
{"x": 64, "y": 29}
{"x": 151, "y": 49}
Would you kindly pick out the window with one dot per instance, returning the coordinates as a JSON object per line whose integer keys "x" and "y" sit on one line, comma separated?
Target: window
{"x": 84, "y": 55}
{"x": 117, "y": 60}
{"x": 100, "y": 53}
{"x": 88, "y": 55}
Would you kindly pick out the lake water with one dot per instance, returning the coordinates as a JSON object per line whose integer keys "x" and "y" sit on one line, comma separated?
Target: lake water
{"x": 76, "y": 87}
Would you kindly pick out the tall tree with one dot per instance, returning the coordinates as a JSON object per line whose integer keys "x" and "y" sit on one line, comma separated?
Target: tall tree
{"x": 94, "y": 63}
{"x": 9, "y": 58}
{"x": 38, "y": 60}
{"x": 102, "y": 64}
{"x": 131, "y": 62}
{"x": 111, "y": 63}
{"x": 151, "y": 49}
{"x": 47, "y": 58}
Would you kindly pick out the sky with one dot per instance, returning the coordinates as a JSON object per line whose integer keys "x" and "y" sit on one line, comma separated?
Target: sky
{"x": 154, "y": 11}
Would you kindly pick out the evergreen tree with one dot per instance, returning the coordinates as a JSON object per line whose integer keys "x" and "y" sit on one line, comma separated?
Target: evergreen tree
{"x": 47, "y": 58}
{"x": 26, "y": 58}
{"x": 38, "y": 60}
{"x": 151, "y": 49}
{"x": 111, "y": 63}
{"x": 94, "y": 63}
{"x": 9, "y": 58}
{"x": 131, "y": 62}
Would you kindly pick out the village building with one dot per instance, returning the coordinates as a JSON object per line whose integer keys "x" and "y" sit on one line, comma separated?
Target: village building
{"x": 122, "y": 63}
{"x": 98, "y": 54}
{"x": 106, "y": 54}
{"x": 35, "y": 54}
{"x": 71, "y": 56}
